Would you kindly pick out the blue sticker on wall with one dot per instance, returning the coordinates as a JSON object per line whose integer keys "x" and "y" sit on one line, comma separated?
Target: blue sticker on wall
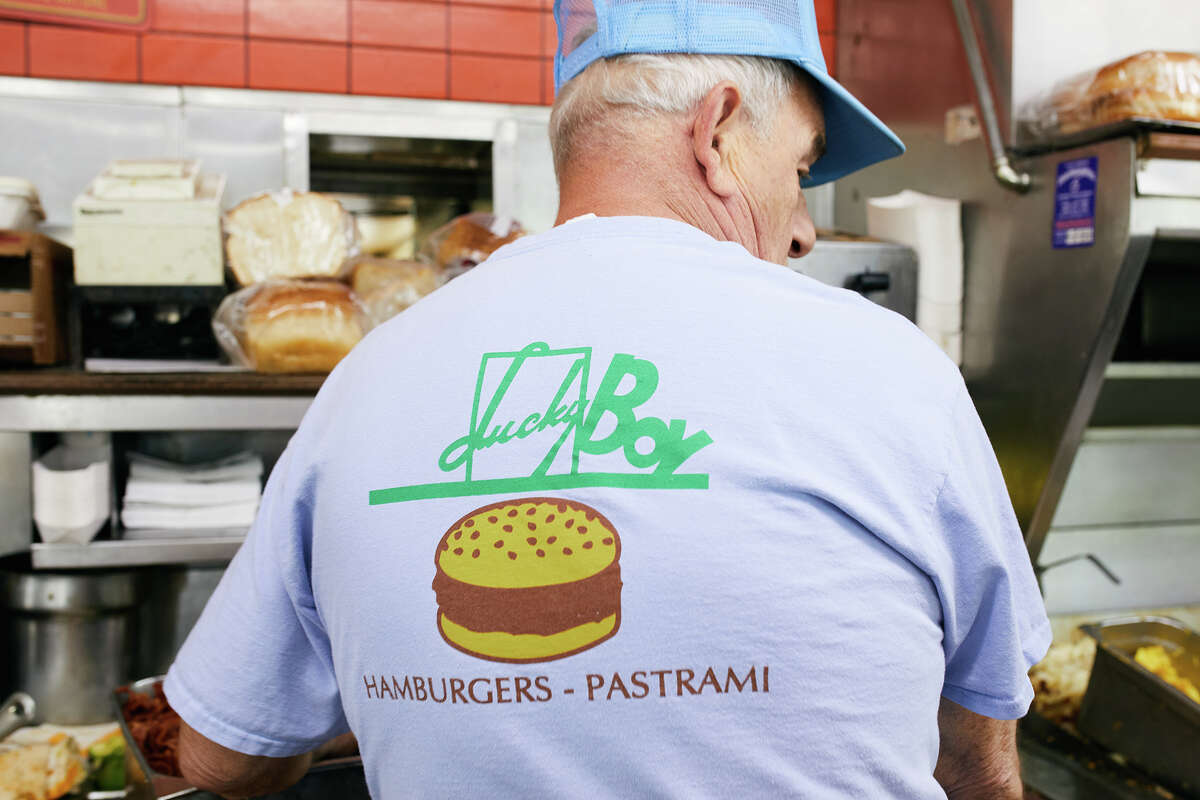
{"x": 1075, "y": 203}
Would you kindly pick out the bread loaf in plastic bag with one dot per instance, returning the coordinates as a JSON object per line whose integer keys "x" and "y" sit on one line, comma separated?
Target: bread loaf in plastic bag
{"x": 1151, "y": 85}
{"x": 290, "y": 326}
{"x": 288, "y": 234}
{"x": 466, "y": 241}
{"x": 385, "y": 286}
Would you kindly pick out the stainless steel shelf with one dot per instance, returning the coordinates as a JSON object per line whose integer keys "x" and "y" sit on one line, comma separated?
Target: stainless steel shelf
{"x": 48, "y": 412}
{"x": 1138, "y": 370}
{"x": 135, "y": 552}
{"x": 1147, "y": 394}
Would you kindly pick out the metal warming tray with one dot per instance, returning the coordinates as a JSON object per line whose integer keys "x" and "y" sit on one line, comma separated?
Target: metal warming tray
{"x": 343, "y": 778}
{"x": 145, "y": 782}
{"x": 1132, "y": 711}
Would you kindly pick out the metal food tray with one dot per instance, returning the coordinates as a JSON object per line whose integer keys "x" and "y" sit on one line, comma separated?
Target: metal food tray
{"x": 145, "y": 782}
{"x": 1132, "y": 711}
{"x": 341, "y": 777}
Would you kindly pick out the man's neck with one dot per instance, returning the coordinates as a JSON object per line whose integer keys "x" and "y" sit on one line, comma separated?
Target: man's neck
{"x": 646, "y": 189}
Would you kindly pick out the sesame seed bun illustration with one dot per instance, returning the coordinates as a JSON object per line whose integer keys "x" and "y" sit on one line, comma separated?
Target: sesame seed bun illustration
{"x": 527, "y": 580}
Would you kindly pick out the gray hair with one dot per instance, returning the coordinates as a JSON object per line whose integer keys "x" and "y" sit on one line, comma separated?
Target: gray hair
{"x": 616, "y": 93}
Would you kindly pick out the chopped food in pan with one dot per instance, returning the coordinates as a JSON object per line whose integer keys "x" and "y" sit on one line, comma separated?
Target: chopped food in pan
{"x": 154, "y": 726}
{"x": 1155, "y": 658}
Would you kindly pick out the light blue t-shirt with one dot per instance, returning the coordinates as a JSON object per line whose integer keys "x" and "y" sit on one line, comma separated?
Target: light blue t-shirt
{"x": 625, "y": 511}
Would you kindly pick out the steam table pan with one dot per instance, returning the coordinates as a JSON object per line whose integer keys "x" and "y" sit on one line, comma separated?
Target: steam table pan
{"x": 1130, "y": 710}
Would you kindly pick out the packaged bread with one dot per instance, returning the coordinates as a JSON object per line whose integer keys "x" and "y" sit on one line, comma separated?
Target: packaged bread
{"x": 1151, "y": 85}
{"x": 386, "y": 286}
{"x": 288, "y": 234}
{"x": 290, "y": 326}
{"x": 465, "y": 241}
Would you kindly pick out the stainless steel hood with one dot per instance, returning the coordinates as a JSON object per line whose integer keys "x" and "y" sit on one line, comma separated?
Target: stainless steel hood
{"x": 1040, "y": 323}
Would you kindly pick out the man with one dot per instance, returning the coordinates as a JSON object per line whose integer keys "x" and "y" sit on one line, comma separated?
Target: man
{"x": 630, "y": 509}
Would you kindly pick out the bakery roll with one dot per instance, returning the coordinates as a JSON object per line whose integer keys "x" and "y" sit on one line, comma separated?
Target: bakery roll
{"x": 528, "y": 580}
{"x": 1153, "y": 84}
{"x": 290, "y": 326}
{"x": 386, "y": 287}
{"x": 289, "y": 235}
{"x": 466, "y": 241}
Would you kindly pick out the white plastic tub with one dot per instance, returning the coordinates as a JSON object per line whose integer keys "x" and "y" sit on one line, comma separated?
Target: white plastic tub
{"x": 20, "y": 209}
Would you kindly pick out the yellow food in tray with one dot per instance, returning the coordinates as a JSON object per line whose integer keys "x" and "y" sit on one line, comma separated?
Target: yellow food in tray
{"x": 1156, "y": 659}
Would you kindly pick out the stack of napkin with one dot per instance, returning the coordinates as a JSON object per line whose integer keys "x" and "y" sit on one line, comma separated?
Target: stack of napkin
{"x": 201, "y": 498}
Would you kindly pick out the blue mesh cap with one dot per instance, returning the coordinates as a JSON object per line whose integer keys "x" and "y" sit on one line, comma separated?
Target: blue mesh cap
{"x": 784, "y": 29}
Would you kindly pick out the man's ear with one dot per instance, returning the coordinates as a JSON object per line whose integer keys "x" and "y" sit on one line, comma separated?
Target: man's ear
{"x": 719, "y": 114}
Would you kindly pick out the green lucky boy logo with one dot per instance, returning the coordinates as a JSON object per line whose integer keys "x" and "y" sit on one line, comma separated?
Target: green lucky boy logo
{"x": 535, "y": 426}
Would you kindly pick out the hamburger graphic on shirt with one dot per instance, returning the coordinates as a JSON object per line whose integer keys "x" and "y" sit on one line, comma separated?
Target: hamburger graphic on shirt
{"x": 534, "y": 579}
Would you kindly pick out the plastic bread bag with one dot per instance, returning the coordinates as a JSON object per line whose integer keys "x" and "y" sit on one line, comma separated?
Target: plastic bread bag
{"x": 288, "y": 234}
{"x": 386, "y": 286}
{"x": 290, "y": 326}
{"x": 466, "y": 241}
{"x": 1151, "y": 85}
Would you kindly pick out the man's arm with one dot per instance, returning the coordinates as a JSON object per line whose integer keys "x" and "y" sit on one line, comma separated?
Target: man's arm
{"x": 210, "y": 766}
{"x": 978, "y": 755}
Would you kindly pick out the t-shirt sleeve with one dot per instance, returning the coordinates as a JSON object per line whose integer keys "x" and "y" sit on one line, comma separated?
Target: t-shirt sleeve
{"x": 994, "y": 620}
{"x": 256, "y": 672}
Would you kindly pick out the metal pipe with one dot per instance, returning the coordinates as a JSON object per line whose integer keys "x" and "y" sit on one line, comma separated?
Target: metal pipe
{"x": 1008, "y": 176}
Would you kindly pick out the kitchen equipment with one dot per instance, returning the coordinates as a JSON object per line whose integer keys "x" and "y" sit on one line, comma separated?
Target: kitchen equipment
{"x": 35, "y": 276}
{"x": 342, "y": 777}
{"x": 17, "y": 711}
{"x": 169, "y": 323}
{"x": 149, "y": 241}
{"x": 72, "y": 488}
{"x": 1132, "y": 711}
{"x": 1061, "y": 237}
{"x": 69, "y": 637}
{"x": 20, "y": 208}
{"x": 883, "y": 272}
{"x": 139, "y": 773}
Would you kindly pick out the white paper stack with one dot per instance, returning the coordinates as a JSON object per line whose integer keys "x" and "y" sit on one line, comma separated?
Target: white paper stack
{"x": 932, "y": 226}
{"x": 171, "y": 499}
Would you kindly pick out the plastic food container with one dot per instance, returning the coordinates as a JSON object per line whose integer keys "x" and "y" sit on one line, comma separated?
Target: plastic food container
{"x": 20, "y": 209}
{"x": 1130, "y": 710}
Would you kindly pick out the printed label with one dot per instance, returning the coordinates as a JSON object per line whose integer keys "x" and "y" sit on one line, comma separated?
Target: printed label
{"x": 570, "y": 436}
{"x": 1075, "y": 203}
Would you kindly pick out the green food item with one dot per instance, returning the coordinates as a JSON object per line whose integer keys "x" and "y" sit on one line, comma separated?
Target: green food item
{"x": 107, "y": 758}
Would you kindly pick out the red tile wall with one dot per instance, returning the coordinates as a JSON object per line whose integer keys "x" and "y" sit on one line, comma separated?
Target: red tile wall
{"x": 490, "y": 50}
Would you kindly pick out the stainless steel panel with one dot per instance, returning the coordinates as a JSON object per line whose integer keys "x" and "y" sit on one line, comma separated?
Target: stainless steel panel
{"x": 149, "y": 412}
{"x": 175, "y": 598}
{"x": 524, "y": 186}
{"x": 839, "y": 263}
{"x": 1156, "y": 565}
{"x": 1126, "y": 476}
{"x": 245, "y": 145}
{"x": 61, "y": 145}
{"x": 1041, "y": 324}
{"x": 16, "y": 504}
